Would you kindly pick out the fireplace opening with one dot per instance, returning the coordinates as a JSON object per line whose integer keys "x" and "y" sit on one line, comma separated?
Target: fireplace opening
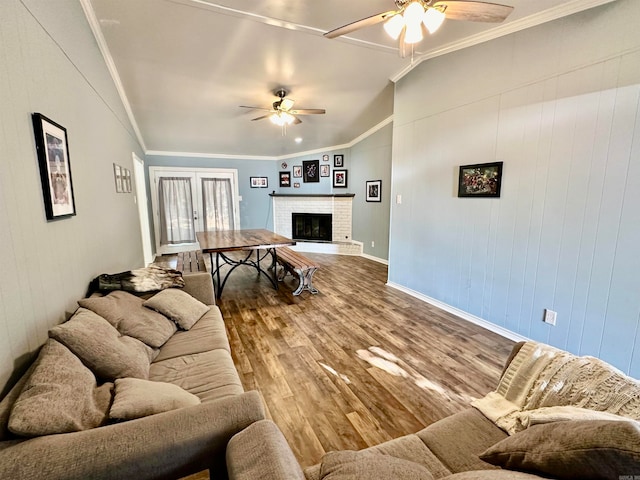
{"x": 311, "y": 226}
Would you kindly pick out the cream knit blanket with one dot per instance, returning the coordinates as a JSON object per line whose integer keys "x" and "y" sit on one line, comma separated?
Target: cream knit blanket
{"x": 544, "y": 384}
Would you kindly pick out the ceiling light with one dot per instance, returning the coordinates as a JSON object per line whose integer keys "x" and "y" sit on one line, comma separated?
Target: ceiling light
{"x": 298, "y": 140}
{"x": 413, "y": 14}
{"x": 394, "y": 26}
{"x": 413, "y": 33}
{"x": 432, "y": 19}
{"x": 281, "y": 118}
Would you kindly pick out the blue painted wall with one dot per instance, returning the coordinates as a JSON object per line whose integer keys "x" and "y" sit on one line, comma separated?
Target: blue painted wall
{"x": 559, "y": 105}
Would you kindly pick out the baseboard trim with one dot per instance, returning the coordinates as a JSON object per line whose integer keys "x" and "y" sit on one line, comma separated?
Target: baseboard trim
{"x": 516, "y": 337}
{"x": 375, "y": 259}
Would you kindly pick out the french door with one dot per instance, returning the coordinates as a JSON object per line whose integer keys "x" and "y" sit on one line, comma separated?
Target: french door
{"x": 186, "y": 201}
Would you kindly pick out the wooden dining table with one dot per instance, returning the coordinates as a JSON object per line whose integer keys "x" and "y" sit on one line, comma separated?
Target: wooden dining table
{"x": 249, "y": 243}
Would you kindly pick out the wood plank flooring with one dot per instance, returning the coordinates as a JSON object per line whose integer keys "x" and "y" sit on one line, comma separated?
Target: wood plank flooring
{"x": 357, "y": 364}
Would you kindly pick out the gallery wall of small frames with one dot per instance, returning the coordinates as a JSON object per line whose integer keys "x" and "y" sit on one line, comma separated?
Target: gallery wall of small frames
{"x": 311, "y": 171}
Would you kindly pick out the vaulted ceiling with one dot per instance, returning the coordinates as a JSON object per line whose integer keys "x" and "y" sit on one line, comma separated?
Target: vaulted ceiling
{"x": 184, "y": 67}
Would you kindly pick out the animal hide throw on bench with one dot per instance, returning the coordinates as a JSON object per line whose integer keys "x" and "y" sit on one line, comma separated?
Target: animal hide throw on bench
{"x": 142, "y": 280}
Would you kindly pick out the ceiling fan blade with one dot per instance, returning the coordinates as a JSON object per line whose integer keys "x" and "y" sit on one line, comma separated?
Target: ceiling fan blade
{"x": 365, "y": 22}
{"x": 296, "y": 120}
{"x": 308, "y": 111}
{"x": 254, "y": 108}
{"x": 260, "y": 118}
{"x": 473, "y": 11}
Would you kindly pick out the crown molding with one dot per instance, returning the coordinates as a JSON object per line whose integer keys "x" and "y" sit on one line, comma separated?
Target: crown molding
{"x": 554, "y": 13}
{"x": 94, "y": 24}
{"x": 359, "y": 138}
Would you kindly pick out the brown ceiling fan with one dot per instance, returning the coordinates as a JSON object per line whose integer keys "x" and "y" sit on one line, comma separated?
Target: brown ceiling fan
{"x": 281, "y": 112}
{"x": 412, "y": 18}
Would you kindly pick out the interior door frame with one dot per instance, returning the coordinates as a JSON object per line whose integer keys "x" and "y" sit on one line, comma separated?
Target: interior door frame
{"x": 195, "y": 173}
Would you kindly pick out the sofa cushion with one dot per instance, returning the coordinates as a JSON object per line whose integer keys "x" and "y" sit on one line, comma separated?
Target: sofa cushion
{"x": 179, "y": 306}
{"x": 135, "y": 398}
{"x": 209, "y": 375}
{"x": 207, "y": 334}
{"x": 126, "y": 312}
{"x": 261, "y": 451}
{"x": 350, "y": 465}
{"x": 60, "y": 396}
{"x": 458, "y": 440}
{"x": 581, "y": 449}
{"x": 493, "y": 475}
{"x": 101, "y": 347}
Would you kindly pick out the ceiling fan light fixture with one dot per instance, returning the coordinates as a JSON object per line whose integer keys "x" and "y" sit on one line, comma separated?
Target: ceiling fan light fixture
{"x": 413, "y": 34}
{"x": 432, "y": 19}
{"x": 281, "y": 118}
{"x": 413, "y": 14}
{"x": 394, "y": 26}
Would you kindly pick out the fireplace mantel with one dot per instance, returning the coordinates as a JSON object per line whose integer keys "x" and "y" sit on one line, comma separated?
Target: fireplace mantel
{"x": 340, "y": 195}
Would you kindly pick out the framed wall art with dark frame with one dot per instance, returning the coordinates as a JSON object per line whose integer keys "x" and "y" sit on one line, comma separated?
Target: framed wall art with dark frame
{"x": 339, "y": 179}
{"x": 311, "y": 171}
{"x": 338, "y": 161}
{"x": 259, "y": 182}
{"x": 52, "y": 148}
{"x": 285, "y": 179}
{"x": 482, "y": 180}
{"x": 324, "y": 171}
{"x": 297, "y": 171}
{"x": 374, "y": 191}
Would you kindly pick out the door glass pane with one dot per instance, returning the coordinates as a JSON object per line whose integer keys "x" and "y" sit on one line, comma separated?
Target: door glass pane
{"x": 176, "y": 211}
{"x": 217, "y": 204}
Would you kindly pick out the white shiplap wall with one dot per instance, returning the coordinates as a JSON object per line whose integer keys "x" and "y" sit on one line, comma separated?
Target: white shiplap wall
{"x": 49, "y": 63}
{"x": 559, "y": 105}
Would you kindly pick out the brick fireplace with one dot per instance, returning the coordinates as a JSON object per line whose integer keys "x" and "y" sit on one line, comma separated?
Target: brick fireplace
{"x": 339, "y": 206}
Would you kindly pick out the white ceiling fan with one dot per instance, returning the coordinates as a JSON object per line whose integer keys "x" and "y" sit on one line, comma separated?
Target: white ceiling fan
{"x": 281, "y": 113}
{"x": 412, "y": 18}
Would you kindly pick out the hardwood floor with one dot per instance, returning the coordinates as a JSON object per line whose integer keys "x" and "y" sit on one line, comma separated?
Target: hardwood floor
{"x": 357, "y": 364}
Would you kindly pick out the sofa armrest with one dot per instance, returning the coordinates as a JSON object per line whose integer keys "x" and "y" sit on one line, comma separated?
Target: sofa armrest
{"x": 261, "y": 451}
{"x": 163, "y": 446}
{"x": 200, "y": 286}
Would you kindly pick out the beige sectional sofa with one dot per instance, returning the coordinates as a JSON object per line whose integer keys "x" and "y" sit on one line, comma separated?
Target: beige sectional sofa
{"x": 553, "y": 415}
{"x": 171, "y": 444}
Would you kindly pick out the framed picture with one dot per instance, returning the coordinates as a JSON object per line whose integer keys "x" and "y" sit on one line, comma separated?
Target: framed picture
{"x": 325, "y": 158}
{"x": 340, "y": 179}
{"x": 311, "y": 171}
{"x": 297, "y": 171}
{"x": 324, "y": 170}
{"x": 285, "y": 179}
{"x": 374, "y": 191}
{"x": 126, "y": 180}
{"x": 259, "y": 182}
{"x": 117, "y": 176}
{"x": 338, "y": 161}
{"x": 296, "y": 185}
{"x": 55, "y": 169}
{"x": 480, "y": 180}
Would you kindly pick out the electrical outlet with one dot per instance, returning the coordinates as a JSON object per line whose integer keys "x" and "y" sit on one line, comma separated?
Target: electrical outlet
{"x": 373, "y": 244}
{"x": 398, "y": 199}
{"x": 550, "y": 316}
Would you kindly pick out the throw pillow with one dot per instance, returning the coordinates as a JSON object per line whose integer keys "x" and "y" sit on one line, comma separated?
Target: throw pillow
{"x": 148, "y": 279}
{"x": 60, "y": 396}
{"x": 126, "y": 312}
{"x": 135, "y": 398}
{"x": 101, "y": 347}
{"x": 350, "y": 465}
{"x": 580, "y": 449}
{"x": 179, "y": 306}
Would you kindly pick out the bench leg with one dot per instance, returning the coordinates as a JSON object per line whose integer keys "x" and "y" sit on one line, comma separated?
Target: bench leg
{"x": 305, "y": 281}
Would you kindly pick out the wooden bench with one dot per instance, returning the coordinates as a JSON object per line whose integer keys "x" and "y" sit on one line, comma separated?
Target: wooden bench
{"x": 191, "y": 262}
{"x": 293, "y": 262}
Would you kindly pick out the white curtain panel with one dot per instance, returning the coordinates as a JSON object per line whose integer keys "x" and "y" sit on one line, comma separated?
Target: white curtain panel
{"x": 176, "y": 211}
{"x": 217, "y": 201}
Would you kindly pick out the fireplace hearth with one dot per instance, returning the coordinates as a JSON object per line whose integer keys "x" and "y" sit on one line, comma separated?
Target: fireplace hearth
{"x": 315, "y": 227}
